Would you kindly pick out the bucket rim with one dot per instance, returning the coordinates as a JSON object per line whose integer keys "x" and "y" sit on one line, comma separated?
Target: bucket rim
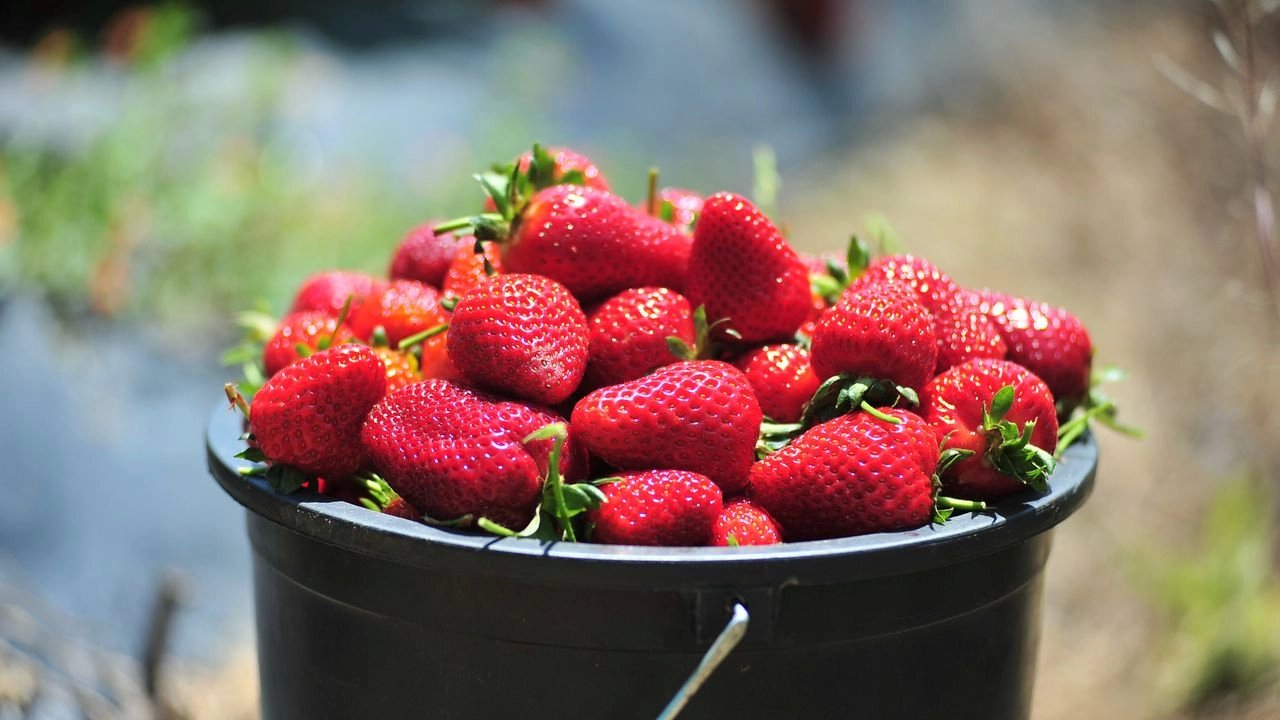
{"x": 1015, "y": 520}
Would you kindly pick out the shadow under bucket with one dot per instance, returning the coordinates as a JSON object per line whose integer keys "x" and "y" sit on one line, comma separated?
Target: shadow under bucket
{"x": 362, "y": 615}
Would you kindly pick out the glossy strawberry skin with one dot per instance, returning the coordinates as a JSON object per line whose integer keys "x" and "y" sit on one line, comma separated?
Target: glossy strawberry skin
{"x": 424, "y": 256}
{"x": 402, "y": 368}
{"x": 701, "y": 416}
{"x": 326, "y": 292}
{"x": 567, "y": 161}
{"x": 520, "y": 334}
{"x": 953, "y": 402}
{"x": 405, "y": 308}
{"x": 467, "y": 270}
{"x": 305, "y": 328}
{"x": 595, "y": 244}
{"x": 747, "y": 524}
{"x": 933, "y": 288}
{"x": 965, "y": 334}
{"x": 310, "y": 413}
{"x": 657, "y": 507}
{"x": 629, "y": 331}
{"x": 686, "y": 205}
{"x": 853, "y": 475}
{"x": 452, "y": 451}
{"x": 743, "y": 271}
{"x": 878, "y": 331}
{"x": 782, "y": 378}
{"x": 1047, "y": 340}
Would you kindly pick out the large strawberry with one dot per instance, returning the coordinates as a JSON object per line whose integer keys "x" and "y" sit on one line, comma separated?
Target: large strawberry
{"x": 858, "y": 473}
{"x": 452, "y": 452}
{"x": 656, "y": 507}
{"x": 700, "y": 416}
{"x": 404, "y": 309}
{"x": 742, "y": 269}
{"x": 520, "y": 334}
{"x": 1047, "y": 340}
{"x": 629, "y": 334}
{"x": 425, "y": 256}
{"x": 877, "y": 331}
{"x": 1004, "y": 416}
{"x": 306, "y": 330}
{"x": 308, "y": 415}
{"x": 743, "y": 522}
{"x": 327, "y": 292}
{"x": 782, "y": 379}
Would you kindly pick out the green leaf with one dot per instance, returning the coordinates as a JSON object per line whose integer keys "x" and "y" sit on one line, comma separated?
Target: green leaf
{"x": 496, "y": 186}
{"x": 285, "y": 479}
{"x": 1001, "y": 402}
{"x": 542, "y": 168}
{"x": 573, "y": 177}
{"x": 252, "y": 454}
{"x": 667, "y": 211}
{"x": 732, "y": 540}
{"x": 884, "y": 235}
{"x": 858, "y": 257}
{"x": 680, "y": 348}
{"x": 302, "y": 349}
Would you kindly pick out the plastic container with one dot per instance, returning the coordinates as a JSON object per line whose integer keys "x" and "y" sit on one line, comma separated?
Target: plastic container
{"x": 361, "y": 615}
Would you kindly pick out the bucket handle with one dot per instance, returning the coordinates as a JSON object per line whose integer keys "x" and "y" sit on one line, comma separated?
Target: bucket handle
{"x": 724, "y": 644}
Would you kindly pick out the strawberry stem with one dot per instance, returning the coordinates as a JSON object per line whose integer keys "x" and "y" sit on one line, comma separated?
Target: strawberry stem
{"x": 554, "y": 484}
{"x": 236, "y": 399}
{"x": 868, "y": 408}
{"x": 327, "y": 342}
{"x": 651, "y": 204}
{"x": 427, "y": 334}
{"x": 961, "y": 505}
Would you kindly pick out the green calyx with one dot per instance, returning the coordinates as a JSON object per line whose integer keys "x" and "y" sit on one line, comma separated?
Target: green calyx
{"x": 832, "y": 283}
{"x": 836, "y": 396}
{"x": 1009, "y": 447}
{"x": 943, "y": 506}
{"x": 704, "y": 346}
{"x": 377, "y": 494}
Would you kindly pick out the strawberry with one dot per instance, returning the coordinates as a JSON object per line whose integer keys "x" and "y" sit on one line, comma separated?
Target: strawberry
{"x": 965, "y": 334}
{"x": 1003, "y": 416}
{"x": 629, "y": 331}
{"x": 451, "y": 451}
{"x": 570, "y": 167}
{"x": 743, "y": 271}
{"x": 933, "y": 288}
{"x": 699, "y": 415}
{"x": 520, "y": 334}
{"x": 309, "y": 329}
{"x": 852, "y": 475}
{"x": 468, "y": 269}
{"x": 402, "y": 367}
{"x": 308, "y": 415}
{"x": 327, "y": 292}
{"x": 1047, "y": 340}
{"x": 878, "y": 331}
{"x": 679, "y": 207}
{"x": 405, "y": 308}
{"x": 743, "y": 522}
{"x": 656, "y": 507}
{"x": 401, "y": 508}
{"x": 425, "y": 256}
{"x": 782, "y": 379}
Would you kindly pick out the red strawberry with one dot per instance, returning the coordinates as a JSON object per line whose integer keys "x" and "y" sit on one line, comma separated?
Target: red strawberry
{"x": 657, "y": 507}
{"x": 404, "y": 309}
{"x": 402, "y": 367}
{"x": 520, "y": 334}
{"x": 782, "y": 379}
{"x": 852, "y": 475}
{"x": 569, "y": 161}
{"x": 468, "y": 269}
{"x": 452, "y": 451}
{"x": 878, "y": 331}
{"x": 700, "y": 416}
{"x": 425, "y": 256}
{"x": 1048, "y": 341}
{"x": 308, "y": 415}
{"x": 679, "y": 207}
{"x": 743, "y": 522}
{"x": 965, "y": 334}
{"x": 933, "y": 289}
{"x": 993, "y": 408}
{"x": 595, "y": 243}
{"x": 629, "y": 334}
{"x": 327, "y": 292}
{"x": 743, "y": 271}
{"x": 309, "y": 329}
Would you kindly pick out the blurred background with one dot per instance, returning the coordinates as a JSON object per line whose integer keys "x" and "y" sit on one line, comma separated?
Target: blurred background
{"x": 163, "y": 166}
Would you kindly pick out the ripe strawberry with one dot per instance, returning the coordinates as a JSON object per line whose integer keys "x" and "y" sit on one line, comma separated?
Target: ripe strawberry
{"x": 468, "y": 269}
{"x": 594, "y": 243}
{"x": 877, "y": 331}
{"x": 1048, "y": 341}
{"x": 309, "y": 329}
{"x": 700, "y": 416}
{"x": 679, "y": 207}
{"x": 933, "y": 288}
{"x": 452, "y": 451}
{"x": 852, "y": 475}
{"x": 309, "y": 414}
{"x": 424, "y": 256}
{"x": 743, "y": 271}
{"x": 402, "y": 367}
{"x": 568, "y": 163}
{"x": 520, "y": 334}
{"x": 1004, "y": 416}
{"x": 629, "y": 331}
{"x": 782, "y": 379}
{"x": 743, "y": 522}
{"x": 327, "y": 292}
{"x": 657, "y": 507}
{"x": 965, "y": 334}
{"x": 404, "y": 309}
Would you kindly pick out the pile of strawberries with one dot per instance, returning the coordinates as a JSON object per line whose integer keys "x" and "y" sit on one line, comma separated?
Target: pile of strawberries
{"x": 566, "y": 365}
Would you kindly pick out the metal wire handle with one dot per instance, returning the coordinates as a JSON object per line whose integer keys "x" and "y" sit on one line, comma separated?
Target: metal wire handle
{"x": 724, "y": 644}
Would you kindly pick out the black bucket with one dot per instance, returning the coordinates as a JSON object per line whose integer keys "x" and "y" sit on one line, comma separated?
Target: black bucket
{"x": 362, "y": 615}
